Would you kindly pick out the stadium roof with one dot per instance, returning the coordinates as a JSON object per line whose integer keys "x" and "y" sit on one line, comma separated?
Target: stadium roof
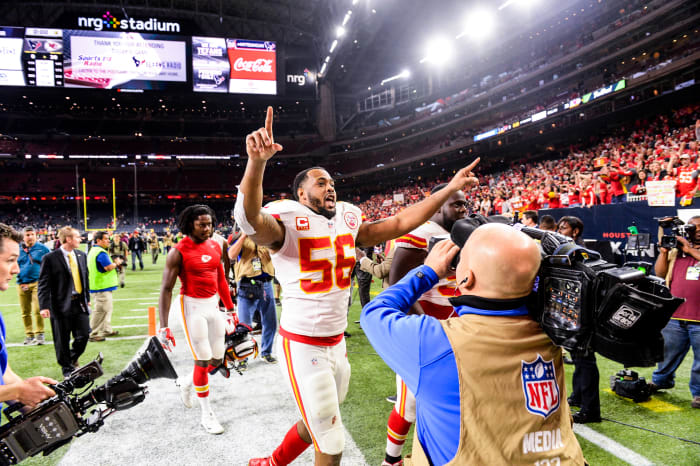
{"x": 380, "y": 38}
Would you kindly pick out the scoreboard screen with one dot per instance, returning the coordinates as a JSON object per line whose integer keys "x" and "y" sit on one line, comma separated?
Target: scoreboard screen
{"x": 125, "y": 60}
{"x": 105, "y": 59}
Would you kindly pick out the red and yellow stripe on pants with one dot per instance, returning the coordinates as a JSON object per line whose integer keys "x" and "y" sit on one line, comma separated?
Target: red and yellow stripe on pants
{"x": 184, "y": 326}
{"x": 401, "y": 398}
{"x": 295, "y": 388}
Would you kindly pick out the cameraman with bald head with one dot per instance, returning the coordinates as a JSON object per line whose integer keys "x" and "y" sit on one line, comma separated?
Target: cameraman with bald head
{"x": 489, "y": 383}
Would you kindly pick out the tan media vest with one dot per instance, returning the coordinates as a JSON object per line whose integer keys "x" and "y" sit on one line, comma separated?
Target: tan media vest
{"x": 496, "y": 426}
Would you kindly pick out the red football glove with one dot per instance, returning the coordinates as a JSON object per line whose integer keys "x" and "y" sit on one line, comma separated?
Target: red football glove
{"x": 165, "y": 336}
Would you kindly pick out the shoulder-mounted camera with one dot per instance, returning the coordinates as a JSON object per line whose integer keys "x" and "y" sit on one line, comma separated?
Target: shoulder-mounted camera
{"x": 584, "y": 303}
{"x": 58, "y": 419}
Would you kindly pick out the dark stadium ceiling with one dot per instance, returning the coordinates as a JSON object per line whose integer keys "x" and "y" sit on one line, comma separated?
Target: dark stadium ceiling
{"x": 382, "y": 37}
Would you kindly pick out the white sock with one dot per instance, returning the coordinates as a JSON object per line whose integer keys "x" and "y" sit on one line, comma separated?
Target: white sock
{"x": 204, "y": 404}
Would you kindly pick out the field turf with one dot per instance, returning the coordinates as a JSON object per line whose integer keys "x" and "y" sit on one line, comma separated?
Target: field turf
{"x": 365, "y": 411}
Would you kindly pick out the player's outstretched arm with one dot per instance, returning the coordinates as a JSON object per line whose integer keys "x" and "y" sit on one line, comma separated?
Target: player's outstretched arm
{"x": 383, "y": 230}
{"x": 261, "y": 227}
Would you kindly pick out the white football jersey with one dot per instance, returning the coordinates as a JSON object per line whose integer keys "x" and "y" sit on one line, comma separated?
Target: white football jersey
{"x": 420, "y": 239}
{"x": 314, "y": 266}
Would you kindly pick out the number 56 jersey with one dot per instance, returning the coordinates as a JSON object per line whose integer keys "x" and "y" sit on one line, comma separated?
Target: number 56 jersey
{"x": 314, "y": 267}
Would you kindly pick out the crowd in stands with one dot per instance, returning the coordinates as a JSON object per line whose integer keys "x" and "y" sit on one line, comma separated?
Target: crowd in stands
{"x": 611, "y": 170}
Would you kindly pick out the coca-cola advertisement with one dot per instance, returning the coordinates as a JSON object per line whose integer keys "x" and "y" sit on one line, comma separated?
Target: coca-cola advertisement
{"x": 253, "y": 66}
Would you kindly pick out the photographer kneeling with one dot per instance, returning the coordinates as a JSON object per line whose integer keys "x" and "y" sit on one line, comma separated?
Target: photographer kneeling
{"x": 32, "y": 391}
{"x": 489, "y": 384}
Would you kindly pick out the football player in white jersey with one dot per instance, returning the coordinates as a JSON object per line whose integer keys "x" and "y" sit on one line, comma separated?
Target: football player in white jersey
{"x": 411, "y": 250}
{"x": 313, "y": 243}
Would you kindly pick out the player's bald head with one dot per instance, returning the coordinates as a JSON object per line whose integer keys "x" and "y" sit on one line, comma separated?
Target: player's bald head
{"x": 498, "y": 262}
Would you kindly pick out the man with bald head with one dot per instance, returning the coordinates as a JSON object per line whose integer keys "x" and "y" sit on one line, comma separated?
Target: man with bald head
{"x": 501, "y": 379}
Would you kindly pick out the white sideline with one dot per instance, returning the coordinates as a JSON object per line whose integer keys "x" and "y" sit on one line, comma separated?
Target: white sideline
{"x": 611, "y": 446}
{"x": 256, "y": 410}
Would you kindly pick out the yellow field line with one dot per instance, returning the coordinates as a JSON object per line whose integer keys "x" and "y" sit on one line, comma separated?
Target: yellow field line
{"x": 653, "y": 404}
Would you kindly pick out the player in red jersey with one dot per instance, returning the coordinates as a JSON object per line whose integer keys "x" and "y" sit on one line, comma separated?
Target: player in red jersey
{"x": 312, "y": 242}
{"x": 411, "y": 251}
{"x": 196, "y": 259}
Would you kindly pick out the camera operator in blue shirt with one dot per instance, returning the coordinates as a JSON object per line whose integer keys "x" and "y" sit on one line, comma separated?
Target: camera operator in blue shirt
{"x": 12, "y": 387}
{"x": 489, "y": 384}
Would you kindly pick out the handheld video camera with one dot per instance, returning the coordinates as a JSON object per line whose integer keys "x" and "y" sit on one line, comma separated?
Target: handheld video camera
{"x": 124, "y": 262}
{"x": 678, "y": 228}
{"x": 584, "y": 303}
{"x": 58, "y": 419}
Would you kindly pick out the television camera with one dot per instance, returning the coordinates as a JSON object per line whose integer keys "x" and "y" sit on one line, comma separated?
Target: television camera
{"x": 678, "y": 228}
{"x": 585, "y": 303}
{"x": 55, "y": 421}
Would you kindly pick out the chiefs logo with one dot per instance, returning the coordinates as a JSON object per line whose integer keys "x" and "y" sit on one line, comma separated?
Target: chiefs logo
{"x": 351, "y": 220}
{"x": 206, "y": 258}
{"x": 302, "y": 223}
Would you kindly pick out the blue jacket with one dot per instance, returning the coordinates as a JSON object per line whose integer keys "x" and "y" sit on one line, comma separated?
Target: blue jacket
{"x": 418, "y": 350}
{"x": 30, "y": 263}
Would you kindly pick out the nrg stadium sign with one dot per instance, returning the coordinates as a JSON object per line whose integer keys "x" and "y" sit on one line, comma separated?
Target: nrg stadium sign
{"x": 109, "y": 22}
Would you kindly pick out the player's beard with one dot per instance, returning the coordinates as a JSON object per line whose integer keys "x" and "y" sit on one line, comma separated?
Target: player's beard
{"x": 317, "y": 206}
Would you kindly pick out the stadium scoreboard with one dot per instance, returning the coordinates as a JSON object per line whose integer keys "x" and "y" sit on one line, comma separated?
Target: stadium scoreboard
{"x": 115, "y": 58}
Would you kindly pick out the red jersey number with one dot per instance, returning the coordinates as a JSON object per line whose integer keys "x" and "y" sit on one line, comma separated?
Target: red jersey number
{"x": 325, "y": 266}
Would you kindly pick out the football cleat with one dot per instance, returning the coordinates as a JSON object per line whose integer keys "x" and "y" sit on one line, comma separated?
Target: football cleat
{"x": 398, "y": 463}
{"x": 186, "y": 391}
{"x": 268, "y": 461}
{"x": 210, "y": 423}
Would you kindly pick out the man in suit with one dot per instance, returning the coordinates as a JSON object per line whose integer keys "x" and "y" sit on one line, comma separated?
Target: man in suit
{"x": 64, "y": 295}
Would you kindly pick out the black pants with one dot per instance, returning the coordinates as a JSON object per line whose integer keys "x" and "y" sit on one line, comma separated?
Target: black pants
{"x": 585, "y": 383}
{"x": 77, "y": 323}
{"x": 364, "y": 280}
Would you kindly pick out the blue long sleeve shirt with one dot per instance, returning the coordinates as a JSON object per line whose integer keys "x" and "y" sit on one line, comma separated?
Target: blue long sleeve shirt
{"x": 417, "y": 348}
{"x": 30, "y": 263}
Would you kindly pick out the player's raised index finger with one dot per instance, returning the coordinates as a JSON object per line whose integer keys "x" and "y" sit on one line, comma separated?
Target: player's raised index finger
{"x": 471, "y": 166}
{"x": 268, "y": 122}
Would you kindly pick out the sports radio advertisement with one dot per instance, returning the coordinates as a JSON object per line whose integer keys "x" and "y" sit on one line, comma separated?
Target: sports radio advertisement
{"x": 127, "y": 60}
{"x": 210, "y": 66}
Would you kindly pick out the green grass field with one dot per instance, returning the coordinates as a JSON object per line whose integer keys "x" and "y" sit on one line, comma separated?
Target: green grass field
{"x": 365, "y": 411}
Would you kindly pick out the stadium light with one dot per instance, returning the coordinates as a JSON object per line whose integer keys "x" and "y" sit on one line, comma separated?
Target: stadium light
{"x": 333, "y": 45}
{"x": 340, "y": 31}
{"x": 438, "y": 51}
{"x": 403, "y": 74}
{"x": 520, "y": 3}
{"x": 478, "y": 25}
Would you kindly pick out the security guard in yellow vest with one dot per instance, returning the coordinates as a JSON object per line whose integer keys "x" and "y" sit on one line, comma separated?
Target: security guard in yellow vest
{"x": 254, "y": 273}
{"x": 103, "y": 280}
